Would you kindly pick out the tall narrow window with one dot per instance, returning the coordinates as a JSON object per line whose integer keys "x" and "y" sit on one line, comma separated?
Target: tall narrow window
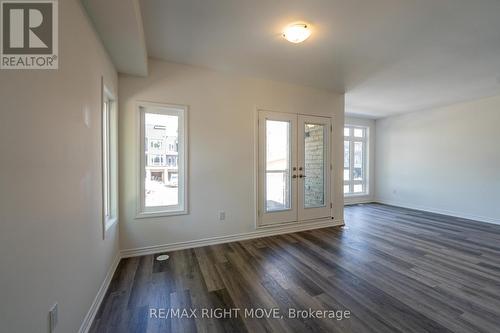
{"x": 163, "y": 183}
{"x": 109, "y": 160}
{"x": 355, "y": 160}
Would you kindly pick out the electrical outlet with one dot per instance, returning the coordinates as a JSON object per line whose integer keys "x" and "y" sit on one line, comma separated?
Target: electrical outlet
{"x": 222, "y": 215}
{"x": 53, "y": 318}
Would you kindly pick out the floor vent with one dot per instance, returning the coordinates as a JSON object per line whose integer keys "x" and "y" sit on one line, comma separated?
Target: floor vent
{"x": 162, "y": 257}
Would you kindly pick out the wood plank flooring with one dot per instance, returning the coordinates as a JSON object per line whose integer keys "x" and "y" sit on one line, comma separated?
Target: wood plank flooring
{"x": 394, "y": 269}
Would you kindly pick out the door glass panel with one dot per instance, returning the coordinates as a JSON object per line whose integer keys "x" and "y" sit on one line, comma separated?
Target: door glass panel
{"x": 314, "y": 168}
{"x": 278, "y": 165}
{"x": 358, "y": 161}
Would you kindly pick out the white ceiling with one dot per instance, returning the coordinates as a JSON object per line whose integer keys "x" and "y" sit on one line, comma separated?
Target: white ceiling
{"x": 388, "y": 56}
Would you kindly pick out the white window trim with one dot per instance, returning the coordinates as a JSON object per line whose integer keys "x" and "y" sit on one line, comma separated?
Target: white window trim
{"x": 109, "y": 159}
{"x": 365, "y": 182}
{"x": 163, "y": 211}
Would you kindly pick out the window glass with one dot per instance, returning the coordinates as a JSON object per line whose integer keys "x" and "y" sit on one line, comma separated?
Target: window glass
{"x": 359, "y": 133}
{"x": 109, "y": 161}
{"x": 358, "y": 161}
{"x": 347, "y": 174}
{"x": 347, "y": 156}
{"x": 355, "y": 154}
{"x": 314, "y": 165}
{"x": 160, "y": 129}
{"x": 358, "y": 188}
{"x": 278, "y": 161}
{"x": 162, "y": 177}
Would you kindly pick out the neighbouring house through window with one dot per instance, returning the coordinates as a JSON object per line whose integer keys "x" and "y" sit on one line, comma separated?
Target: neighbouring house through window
{"x": 355, "y": 160}
{"x": 163, "y": 161}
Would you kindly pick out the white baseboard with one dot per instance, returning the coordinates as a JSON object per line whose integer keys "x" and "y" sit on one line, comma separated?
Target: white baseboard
{"x": 268, "y": 231}
{"x": 439, "y": 211}
{"x": 89, "y": 318}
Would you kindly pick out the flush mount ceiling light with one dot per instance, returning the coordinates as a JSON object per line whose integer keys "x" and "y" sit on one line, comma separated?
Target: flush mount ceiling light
{"x": 297, "y": 32}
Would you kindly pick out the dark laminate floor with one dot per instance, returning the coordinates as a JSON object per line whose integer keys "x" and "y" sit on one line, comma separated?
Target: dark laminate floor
{"x": 395, "y": 270}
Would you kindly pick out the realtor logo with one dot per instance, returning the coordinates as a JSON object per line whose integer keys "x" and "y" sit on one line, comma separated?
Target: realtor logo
{"x": 29, "y": 34}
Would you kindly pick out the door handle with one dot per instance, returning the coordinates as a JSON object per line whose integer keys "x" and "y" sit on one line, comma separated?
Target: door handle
{"x": 302, "y": 176}
{"x": 294, "y": 176}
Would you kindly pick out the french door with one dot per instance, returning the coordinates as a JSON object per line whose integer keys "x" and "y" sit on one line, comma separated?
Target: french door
{"x": 294, "y": 167}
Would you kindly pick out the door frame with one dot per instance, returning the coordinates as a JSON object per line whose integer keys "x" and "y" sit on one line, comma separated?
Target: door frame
{"x": 256, "y": 180}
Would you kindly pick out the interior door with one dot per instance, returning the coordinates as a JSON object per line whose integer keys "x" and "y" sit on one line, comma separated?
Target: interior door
{"x": 277, "y": 167}
{"x": 294, "y": 167}
{"x": 314, "y": 167}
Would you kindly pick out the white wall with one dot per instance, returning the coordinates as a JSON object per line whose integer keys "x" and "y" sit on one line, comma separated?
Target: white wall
{"x": 221, "y": 148}
{"x": 444, "y": 160}
{"x": 51, "y": 245}
{"x": 370, "y": 123}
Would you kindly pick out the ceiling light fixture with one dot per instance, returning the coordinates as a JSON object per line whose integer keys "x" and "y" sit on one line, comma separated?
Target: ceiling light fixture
{"x": 297, "y": 32}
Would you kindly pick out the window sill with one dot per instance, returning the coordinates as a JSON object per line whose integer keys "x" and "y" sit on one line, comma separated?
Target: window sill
{"x": 148, "y": 215}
